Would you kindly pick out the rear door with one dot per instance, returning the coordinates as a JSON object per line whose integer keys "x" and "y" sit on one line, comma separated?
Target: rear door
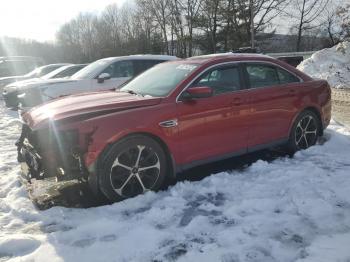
{"x": 272, "y": 97}
{"x": 216, "y": 126}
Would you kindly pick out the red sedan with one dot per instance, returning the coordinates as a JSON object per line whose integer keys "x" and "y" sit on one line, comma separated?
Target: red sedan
{"x": 172, "y": 117}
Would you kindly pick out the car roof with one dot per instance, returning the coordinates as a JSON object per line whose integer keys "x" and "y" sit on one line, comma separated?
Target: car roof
{"x": 74, "y": 65}
{"x": 58, "y": 64}
{"x": 140, "y": 57}
{"x": 231, "y": 56}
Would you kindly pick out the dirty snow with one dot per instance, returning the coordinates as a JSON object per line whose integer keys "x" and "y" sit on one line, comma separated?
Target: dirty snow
{"x": 331, "y": 64}
{"x": 292, "y": 209}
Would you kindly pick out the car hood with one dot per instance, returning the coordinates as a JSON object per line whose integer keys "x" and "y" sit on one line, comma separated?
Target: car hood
{"x": 37, "y": 82}
{"x": 84, "y": 106}
{"x": 27, "y": 81}
{"x": 10, "y": 79}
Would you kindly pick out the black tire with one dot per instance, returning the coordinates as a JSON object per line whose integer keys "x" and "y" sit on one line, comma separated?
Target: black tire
{"x": 120, "y": 177}
{"x": 304, "y": 133}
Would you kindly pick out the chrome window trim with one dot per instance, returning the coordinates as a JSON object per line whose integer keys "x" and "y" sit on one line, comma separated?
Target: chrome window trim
{"x": 237, "y": 63}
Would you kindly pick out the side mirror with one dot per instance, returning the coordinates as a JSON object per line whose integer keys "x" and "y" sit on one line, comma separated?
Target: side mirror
{"x": 197, "y": 92}
{"x": 103, "y": 77}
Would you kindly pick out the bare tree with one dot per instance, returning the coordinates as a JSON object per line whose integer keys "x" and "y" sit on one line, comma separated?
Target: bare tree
{"x": 192, "y": 10}
{"x": 307, "y": 14}
{"x": 160, "y": 11}
{"x": 210, "y": 21}
{"x": 332, "y": 24}
{"x": 109, "y": 32}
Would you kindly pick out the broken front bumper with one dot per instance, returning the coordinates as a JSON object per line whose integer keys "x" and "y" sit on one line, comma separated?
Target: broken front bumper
{"x": 41, "y": 157}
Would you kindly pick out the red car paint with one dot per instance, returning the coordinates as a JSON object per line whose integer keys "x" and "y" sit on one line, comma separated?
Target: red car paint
{"x": 207, "y": 128}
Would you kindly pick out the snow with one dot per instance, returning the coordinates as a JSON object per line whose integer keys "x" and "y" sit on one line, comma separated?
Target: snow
{"x": 290, "y": 209}
{"x": 331, "y": 64}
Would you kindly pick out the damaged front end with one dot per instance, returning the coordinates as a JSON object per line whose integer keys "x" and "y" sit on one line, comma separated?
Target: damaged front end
{"x": 51, "y": 153}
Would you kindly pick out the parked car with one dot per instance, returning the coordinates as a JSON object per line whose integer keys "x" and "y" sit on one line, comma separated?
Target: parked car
{"x": 292, "y": 60}
{"x": 172, "y": 117}
{"x": 11, "y": 99}
{"x": 18, "y": 65}
{"x": 104, "y": 74}
{"x": 64, "y": 71}
{"x": 36, "y": 73}
{"x": 61, "y": 72}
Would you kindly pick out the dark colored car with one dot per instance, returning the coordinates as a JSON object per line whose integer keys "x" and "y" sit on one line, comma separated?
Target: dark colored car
{"x": 292, "y": 60}
{"x": 18, "y": 65}
{"x": 172, "y": 117}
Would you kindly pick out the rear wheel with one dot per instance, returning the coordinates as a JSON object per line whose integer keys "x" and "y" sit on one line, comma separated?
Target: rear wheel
{"x": 305, "y": 131}
{"x": 131, "y": 167}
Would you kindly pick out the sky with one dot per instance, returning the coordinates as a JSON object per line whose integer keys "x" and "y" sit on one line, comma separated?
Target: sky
{"x": 40, "y": 19}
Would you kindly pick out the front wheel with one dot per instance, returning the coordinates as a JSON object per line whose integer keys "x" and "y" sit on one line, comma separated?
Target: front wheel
{"x": 131, "y": 167}
{"x": 305, "y": 131}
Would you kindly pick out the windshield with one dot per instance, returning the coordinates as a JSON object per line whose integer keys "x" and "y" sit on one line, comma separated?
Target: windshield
{"x": 160, "y": 80}
{"x": 54, "y": 72}
{"x": 34, "y": 73}
{"x": 91, "y": 70}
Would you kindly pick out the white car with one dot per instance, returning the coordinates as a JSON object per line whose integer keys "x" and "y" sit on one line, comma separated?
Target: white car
{"x": 61, "y": 72}
{"x": 104, "y": 74}
{"x": 36, "y": 73}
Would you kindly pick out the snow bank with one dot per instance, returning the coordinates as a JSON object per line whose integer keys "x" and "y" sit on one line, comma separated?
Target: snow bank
{"x": 292, "y": 209}
{"x": 331, "y": 64}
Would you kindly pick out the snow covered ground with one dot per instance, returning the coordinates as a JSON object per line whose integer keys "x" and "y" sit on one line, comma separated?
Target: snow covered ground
{"x": 331, "y": 64}
{"x": 294, "y": 209}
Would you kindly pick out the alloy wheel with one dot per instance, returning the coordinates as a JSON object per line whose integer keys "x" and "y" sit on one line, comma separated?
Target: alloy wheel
{"x": 135, "y": 171}
{"x": 306, "y": 132}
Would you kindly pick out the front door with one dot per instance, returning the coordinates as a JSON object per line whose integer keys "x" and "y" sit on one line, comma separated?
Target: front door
{"x": 120, "y": 72}
{"x": 214, "y": 127}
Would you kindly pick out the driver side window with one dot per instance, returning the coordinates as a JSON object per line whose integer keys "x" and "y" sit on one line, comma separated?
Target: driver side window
{"x": 221, "y": 80}
{"x": 120, "y": 69}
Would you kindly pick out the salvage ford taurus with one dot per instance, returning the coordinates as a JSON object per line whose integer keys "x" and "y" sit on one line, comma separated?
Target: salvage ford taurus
{"x": 174, "y": 116}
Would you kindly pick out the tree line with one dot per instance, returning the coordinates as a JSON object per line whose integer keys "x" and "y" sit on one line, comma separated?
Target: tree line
{"x": 175, "y": 27}
{"x": 190, "y": 27}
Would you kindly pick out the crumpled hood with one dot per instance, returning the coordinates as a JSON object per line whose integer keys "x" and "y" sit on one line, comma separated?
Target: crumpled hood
{"x": 37, "y": 83}
{"x": 84, "y": 105}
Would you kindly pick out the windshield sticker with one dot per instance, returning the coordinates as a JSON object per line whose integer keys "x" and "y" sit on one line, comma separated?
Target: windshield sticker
{"x": 186, "y": 67}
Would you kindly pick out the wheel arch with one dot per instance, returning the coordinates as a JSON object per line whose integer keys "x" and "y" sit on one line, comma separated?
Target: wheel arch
{"x": 160, "y": 141}
{"x": 313, "y": 109}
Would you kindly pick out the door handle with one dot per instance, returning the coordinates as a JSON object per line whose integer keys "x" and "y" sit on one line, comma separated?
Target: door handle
{"x": 237, "y": 101}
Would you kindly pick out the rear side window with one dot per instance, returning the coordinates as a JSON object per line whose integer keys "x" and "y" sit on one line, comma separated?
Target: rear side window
{"x": 262, "y": 75}
{"x": 143, "y": 65}
{"x": 286, "y": 77}
{"x": 221, "y": 80}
